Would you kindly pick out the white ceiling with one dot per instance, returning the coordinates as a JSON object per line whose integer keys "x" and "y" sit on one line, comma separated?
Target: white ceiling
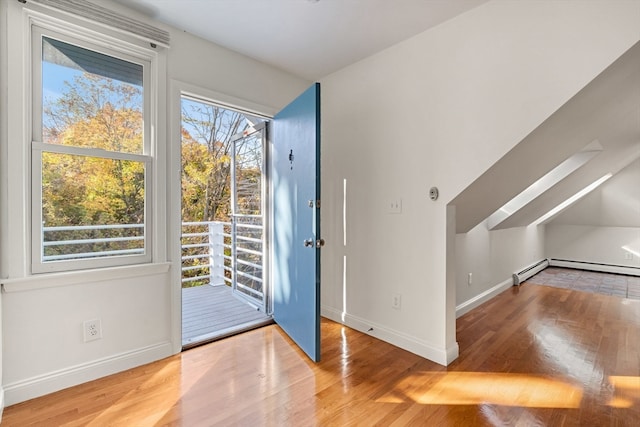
{"x": 313, "y": 38}
{"x": 308, "y": 38}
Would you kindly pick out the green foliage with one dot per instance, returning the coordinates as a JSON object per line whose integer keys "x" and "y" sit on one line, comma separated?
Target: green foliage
{"x": 80, "y": 190}
{"x": 77, "y": 190}
{"x": 207, "y": 143}
{"x": 207, "y": 135}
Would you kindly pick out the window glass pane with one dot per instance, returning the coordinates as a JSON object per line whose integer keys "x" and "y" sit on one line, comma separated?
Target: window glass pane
{"x": 249, "y": 175}
{"x": 90, "y": 99}
{"x": 207, "y": 133}
{"x": 91, "y": 207}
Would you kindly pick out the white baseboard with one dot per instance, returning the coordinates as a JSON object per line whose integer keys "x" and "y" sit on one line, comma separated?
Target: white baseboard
{"x": 479, "y": 299}
{"x": 604, "y": 268}
{"x": 476, "y": 301}
{"x": 442, "y": 356}
{"x": 1, "y": 403}
{"x": 40, "y": 385}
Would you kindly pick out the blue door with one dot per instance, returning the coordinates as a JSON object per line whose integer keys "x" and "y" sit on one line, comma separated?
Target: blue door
{"x": 296, "y": 220}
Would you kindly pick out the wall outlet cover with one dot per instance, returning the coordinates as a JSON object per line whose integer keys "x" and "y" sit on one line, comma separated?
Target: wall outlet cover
{"x": 395, "y": 206}
{"x": 92, "y": 330}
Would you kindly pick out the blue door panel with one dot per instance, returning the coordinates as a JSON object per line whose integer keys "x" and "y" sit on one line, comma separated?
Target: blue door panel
{"x": 296, "y": 218}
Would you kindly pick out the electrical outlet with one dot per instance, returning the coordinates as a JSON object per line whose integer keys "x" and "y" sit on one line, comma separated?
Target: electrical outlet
{"x": 470, "y": 279}
{"x": 396, "y": 301}
{"x": 395, "y": 206}
{"x": 92, "y": 330}
{"x": 628, "y": 255}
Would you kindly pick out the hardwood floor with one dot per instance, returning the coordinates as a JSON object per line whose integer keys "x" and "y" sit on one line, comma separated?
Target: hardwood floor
{"x": 589, "y": 281}
{"x": 534, "y": 355}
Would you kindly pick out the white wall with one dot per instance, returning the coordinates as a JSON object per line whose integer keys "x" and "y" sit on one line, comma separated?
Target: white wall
{"x": 139, "y": 306}
{"x": 42, "y": 328}
{"x": 604, "y": 226}
{"x": 594, "y": 244}
{"x": 438, "y": 110}
{"x": 3, "y": 164}
{"x": 492, "y": 257}
{"x": 616, "y": 203}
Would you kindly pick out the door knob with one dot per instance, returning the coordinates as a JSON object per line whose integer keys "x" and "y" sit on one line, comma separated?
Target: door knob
{"x": 319, "y": 243}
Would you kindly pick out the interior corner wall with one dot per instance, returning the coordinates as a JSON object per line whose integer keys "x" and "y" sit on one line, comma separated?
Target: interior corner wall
{"x": 491, "y": 257}
{"x": 438, "y": 110}
{"x": 604, "y": 226}
{"x": 616, "y": 203}
{"x": 200, "y": 63}
{"x": 617, "y": 246}
{"x": 4, "y": 244}
{"x": 223, "y": 71}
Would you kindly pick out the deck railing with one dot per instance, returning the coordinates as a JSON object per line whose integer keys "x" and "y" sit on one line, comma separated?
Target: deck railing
{"x": 91, "y": 241}
{"x": 207, "y": 252}
{"x": 248, "y": 255}
{"x": 205, "y": 247}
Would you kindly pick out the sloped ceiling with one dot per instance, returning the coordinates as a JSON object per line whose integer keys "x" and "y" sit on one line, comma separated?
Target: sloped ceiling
{"x": 607, "y": 110}
{"x": 615, "y": 204}
{"x": 313, "y": 38}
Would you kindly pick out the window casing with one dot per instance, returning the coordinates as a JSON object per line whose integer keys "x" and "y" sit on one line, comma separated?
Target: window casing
{"x": 91, "y": 152}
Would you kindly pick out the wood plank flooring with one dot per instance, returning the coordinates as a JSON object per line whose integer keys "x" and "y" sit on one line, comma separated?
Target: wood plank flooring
{"x": 619, "y": 285}
{"x": 532, "y": 356}
{"x": 212, "y": 312}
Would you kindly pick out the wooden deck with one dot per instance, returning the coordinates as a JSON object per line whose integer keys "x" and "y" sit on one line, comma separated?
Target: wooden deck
{"x": 212, "y": 312}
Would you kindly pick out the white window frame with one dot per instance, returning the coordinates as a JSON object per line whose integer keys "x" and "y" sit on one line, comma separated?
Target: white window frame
{"x": 85, "y": 38}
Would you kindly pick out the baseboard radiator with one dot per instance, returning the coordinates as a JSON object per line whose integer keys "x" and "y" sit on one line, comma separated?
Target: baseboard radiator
{"x": 529, "y": 271}
{"x": 595, "y": 266}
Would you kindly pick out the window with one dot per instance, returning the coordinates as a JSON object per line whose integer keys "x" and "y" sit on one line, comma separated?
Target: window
{"x": 90, "y": 154}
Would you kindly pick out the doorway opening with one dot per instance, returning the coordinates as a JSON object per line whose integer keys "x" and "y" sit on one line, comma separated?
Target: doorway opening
{"x": 224, "y": 223}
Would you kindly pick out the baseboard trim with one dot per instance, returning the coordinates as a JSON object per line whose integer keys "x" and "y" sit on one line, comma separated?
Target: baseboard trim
{"x": 592, "y": 266}
{"x": 1, "y": 403}
{"x": 479, "y": 299}
{"x": 40, "y": 385}
{"x": 442, "y": 356}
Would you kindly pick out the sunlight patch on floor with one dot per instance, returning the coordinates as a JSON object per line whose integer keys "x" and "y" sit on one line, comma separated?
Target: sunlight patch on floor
{"x": 113, "y": 414}
{"x": 626, "y": 391}
{"x": 475, "y": 388}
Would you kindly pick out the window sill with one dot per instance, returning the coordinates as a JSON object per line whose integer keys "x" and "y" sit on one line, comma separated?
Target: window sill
{"x": 46, "y": 281}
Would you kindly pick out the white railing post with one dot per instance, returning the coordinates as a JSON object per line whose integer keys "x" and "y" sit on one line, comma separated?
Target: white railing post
{"x": 216, "y": 252}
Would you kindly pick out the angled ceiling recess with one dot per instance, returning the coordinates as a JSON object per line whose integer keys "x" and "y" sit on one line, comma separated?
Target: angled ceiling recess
{"x": 571, "y": 200}
{"x": 594, "y": 134}
{"x": 543, "y": 184}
